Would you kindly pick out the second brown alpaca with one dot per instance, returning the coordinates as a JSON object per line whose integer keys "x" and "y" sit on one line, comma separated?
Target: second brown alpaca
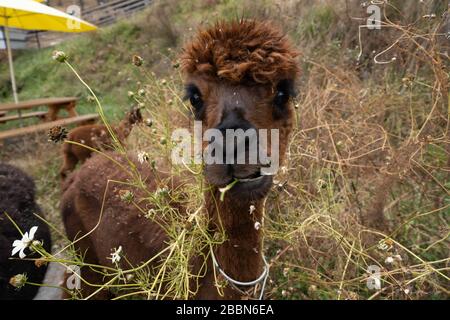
{"x": 97, "y": 137}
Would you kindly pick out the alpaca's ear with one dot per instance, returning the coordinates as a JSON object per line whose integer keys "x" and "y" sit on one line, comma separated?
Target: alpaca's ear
{"x": 138, "y": 115}
{"x": 134, "y": 115}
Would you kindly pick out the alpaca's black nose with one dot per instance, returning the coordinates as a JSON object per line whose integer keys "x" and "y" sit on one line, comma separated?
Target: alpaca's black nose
{"x": 237, "y": 143}
{"x": 234, "y": 121}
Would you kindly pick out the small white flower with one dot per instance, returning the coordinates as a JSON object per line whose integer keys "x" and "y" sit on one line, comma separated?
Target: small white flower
{"x": 321, "y": 184}
{"x": 115, "y": 256}
{"x": 398, "y": 257}
{"x": 257, "y": 225}
{"x": 150, "y": 213}
{"x": 161, "y": 192}
{"x": 389, "y": 260}
{"x": 406, "y": 291}
{"x": 21, "y": 245}
{"x": 143, "y": 156}
{"x": 252, "y": 209}
{"x": 148, "y": 122}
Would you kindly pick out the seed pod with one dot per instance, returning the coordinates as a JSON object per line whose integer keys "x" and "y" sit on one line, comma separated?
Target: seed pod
{"x": 59, "y": 56}
{"x": 138, "y": 61}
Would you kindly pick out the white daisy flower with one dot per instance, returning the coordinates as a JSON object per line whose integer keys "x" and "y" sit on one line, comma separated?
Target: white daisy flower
{"x": 389, "y": 260}
{"x": 143, "y": 156}
{"x": 398, "y": 257}
{"x": 115, "y": 256}
{"x": 21, "y": 245}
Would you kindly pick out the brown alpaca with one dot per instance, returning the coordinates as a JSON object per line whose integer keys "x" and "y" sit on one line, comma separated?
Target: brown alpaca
{"x": 95, "y": 136}
{"x": 238, "y": 75}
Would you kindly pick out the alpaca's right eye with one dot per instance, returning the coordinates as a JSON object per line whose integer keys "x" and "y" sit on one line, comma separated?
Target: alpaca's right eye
{"x": 283, "y": 93}
{"x": 195, "y": 98}
{"x": 196, "y": 101}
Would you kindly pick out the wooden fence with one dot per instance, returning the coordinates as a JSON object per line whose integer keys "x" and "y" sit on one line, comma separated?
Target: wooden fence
{"x": 100, "y": 15}
{"x": 112, "y": 11}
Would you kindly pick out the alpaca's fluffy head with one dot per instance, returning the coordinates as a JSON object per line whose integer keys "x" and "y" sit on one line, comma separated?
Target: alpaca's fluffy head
{"x": 240, "y": 75}
{"x": 241, "y": 51}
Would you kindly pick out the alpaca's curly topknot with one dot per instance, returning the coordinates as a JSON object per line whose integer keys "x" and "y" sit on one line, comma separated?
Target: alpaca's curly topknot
{"x": 241, "y": 51}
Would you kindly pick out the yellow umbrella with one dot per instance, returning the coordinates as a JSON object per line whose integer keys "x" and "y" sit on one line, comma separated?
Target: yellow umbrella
{"x": 31, "y": 15}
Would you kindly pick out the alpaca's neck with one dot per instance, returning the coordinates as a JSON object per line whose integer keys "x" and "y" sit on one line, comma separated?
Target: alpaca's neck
{"x": 240, "y": 255}
{"x": 123, "y": 129}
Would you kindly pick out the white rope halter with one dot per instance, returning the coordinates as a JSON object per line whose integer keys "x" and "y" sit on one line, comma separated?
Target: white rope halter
{"x": 262, "y": 278}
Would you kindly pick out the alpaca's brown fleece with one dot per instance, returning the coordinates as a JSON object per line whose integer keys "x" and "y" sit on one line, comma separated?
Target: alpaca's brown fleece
{"x": 241, "y": 52}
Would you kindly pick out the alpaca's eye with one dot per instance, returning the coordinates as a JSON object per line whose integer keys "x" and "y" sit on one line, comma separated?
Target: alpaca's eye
{"x": 281, "y": 98}
{"x": 195, "y": 98}
{"x": 196, "y": 101}
{"x": 283, "y": 93}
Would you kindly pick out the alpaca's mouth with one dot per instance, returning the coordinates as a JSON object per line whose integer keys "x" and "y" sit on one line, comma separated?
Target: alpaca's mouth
{"x": 251, "y": 178}
{"x": 248, "y": 182}
{"x": 254, "y": 186}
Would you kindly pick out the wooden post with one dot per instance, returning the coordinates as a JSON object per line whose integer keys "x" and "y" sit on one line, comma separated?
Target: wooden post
{"x": 36, "y": 34}
{"x": 71, "y": 109}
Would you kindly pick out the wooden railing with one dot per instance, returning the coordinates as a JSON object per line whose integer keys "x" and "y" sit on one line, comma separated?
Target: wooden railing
{"x": 112, "y": 11}
{"x": 100, "y": 15}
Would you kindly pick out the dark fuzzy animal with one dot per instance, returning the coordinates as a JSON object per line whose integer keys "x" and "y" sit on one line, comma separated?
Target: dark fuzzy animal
{"x": 17, "y": 193}
{"x": 95, "y": 136}
{"x": 239, "y": 75}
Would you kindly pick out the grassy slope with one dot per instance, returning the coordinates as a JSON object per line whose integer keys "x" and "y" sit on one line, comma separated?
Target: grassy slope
{"x": 39, "y": 76}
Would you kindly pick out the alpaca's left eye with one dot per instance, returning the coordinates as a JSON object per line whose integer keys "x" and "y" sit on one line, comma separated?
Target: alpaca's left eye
{"x": 281, "y": 98}
{"x": 195, "y": 98}
{"x": 196, "y": 101}
{"x": 282, "y": 93}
